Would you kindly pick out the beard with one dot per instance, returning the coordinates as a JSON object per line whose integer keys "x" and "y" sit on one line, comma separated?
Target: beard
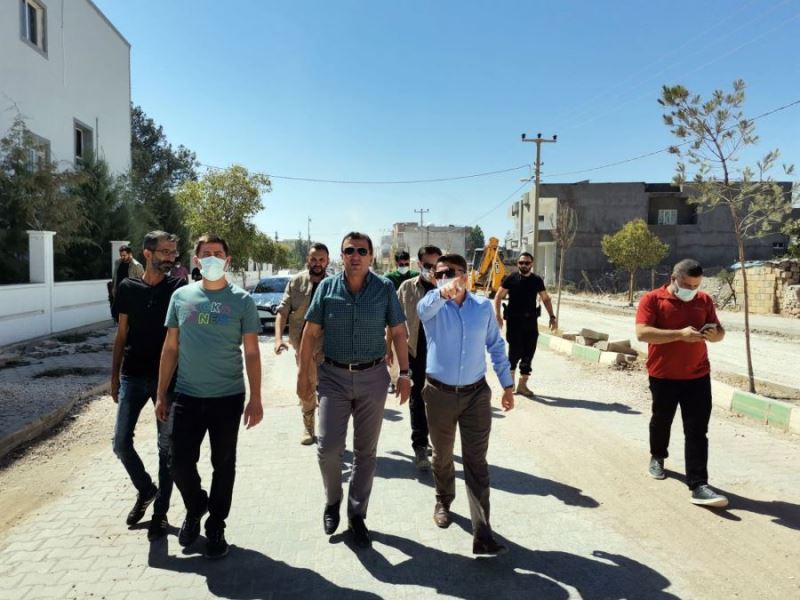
{"x": 163, "y": 266}
{"x": 524, "y": 270}
{"x": 316, "y": 270}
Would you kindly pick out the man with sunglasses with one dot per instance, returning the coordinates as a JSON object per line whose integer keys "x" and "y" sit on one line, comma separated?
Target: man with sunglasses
{"x": 522, "y": 330}
{"x": 410, "y": 293}
{"x": 460, "y": 328}
{"x": 351, "y": 311}
{"x": 142, "y": 306}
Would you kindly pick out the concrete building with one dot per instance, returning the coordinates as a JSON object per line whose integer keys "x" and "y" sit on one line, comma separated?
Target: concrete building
{"x": 65, "y": 69}
{"x": 603, "y": 208}
{"x": 410, "y": 237}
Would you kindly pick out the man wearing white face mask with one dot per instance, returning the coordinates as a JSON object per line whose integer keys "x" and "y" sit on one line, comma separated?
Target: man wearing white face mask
{"x": 207, "y": 323}
{"x": 676, "y": 321}
{"x": 402, "y": 273}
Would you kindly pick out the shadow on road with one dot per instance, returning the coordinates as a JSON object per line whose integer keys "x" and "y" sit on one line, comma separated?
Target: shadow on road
{"x": 522, "y": 573}
{"x": 585, "y": 404}
{"x": 246, "y": 574}
{"x": 390, "y": 414}
{"x": 782, "y": 513}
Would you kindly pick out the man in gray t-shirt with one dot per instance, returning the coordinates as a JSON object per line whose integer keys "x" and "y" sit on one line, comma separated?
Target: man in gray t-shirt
{"x": 207, "y": 323}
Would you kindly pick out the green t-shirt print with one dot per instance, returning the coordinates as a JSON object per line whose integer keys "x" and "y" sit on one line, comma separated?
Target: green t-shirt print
{"x": 211, "y": 324}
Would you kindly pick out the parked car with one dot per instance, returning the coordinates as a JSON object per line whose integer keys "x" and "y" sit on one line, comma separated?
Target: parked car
{"x": 267, "y": 294}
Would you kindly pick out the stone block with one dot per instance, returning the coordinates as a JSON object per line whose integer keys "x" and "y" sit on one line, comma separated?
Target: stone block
{"x": 570, "y": 335}
{"x": 595, "y": 335}
{"x": 584, "y": 341}
{"x": 614, "y": 345}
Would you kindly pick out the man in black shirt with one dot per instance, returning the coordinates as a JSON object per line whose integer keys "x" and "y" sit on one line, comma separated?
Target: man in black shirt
{"x": 142, "y": 306}
{"x": 522, "y": 331}
{"x": 124, "y": 267}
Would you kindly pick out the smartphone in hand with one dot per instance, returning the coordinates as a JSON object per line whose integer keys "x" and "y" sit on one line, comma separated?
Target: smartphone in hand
{"x": 707, "y": 327}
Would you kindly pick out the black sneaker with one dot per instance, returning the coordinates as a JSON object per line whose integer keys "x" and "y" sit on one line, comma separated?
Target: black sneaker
{"x": 488, "y": 547}
{"x": 157, "y": 528}
{"x": 360, "y": 533}
{"x": 216, "y": 546}
{"x": 143, "y": 500}
{"x": 190, "y": 530}
{"x": 703, "y": 495}
{"x": 421, "y": 460}
{"x": 656, "y": 469}
{"x": 330, "y": 518}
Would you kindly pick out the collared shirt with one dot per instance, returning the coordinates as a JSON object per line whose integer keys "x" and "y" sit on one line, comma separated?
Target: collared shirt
{"x": 397, "y": 278}
{"x": 354, "y": 326}
{"x": 409, "y": 294}
{"x": 660, "y": 308}
{"x": 458, "y": 337}
{"x": 294, "y": 305}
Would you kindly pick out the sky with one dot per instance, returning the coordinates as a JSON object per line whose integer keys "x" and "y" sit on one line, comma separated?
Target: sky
{"x": 383, "y": 90}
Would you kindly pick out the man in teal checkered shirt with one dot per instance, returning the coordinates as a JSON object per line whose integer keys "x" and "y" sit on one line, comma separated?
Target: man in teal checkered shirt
{"x": 351, "y": 311}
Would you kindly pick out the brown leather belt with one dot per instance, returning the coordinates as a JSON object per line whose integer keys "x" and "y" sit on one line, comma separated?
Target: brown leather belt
{"x": 354, "y": 366}
{"x": 456, "y": 388}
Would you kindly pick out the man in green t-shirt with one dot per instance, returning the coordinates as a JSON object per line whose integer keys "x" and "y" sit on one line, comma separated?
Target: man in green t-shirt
{"x": 207, "y": 323}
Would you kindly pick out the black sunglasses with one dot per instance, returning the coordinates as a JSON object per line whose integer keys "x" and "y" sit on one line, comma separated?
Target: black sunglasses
{"x": 350, "y": 250}
{"x": 524, "y": 262}
{"x": 450, "y": 273}
{"x": 428, "y": 265}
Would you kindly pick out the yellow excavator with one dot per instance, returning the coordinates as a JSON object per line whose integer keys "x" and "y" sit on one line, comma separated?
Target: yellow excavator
{"x": 489, "y": 267}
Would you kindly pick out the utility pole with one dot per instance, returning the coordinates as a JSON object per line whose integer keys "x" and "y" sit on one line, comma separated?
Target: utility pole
{"x": 538, "y": 140}
{"x": 421, "y": 212}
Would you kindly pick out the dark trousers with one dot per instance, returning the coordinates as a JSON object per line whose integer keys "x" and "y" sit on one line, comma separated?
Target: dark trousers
{"x": 134, "y": 392}
{"x": 416, "y": 405}
{"x": 522, "y": 335}
{"x": 471, "y": 413}
{"x": 694, "y": 398}
{"x": 191, "y": 419}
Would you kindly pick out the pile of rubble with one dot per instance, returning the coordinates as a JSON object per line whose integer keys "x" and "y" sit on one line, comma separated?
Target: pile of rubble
{"x": 617, "y": 352}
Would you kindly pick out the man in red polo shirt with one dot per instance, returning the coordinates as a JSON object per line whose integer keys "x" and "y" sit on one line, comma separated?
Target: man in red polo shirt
{"x": 676, "y": 321}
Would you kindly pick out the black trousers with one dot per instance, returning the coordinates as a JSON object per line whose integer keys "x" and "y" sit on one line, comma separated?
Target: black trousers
{"x": 522, "y": 335}
{"x": 416, "y": 405}
{"x": 192, "y": 418}
{"x": 694, "y": 398}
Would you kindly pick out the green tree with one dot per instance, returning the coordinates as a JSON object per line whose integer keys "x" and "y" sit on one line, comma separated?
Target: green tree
{"x": 792, "y": 229}
{"x": 224, "y": 202}
{"x": 632, "y": 248}
{"x": 105, "y": 216}
{"x": 157, "y": 170}
{"x": 714, "y": 133}
{"x": 35, "y": 195}
{"x": 475, "y": 239}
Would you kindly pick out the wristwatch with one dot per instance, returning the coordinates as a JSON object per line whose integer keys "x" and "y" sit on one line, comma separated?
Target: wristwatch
{"x": 405, "y": 374}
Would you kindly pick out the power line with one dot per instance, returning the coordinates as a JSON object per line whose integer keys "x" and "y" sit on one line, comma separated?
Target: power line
{"x": 641, "y": 156}
{"x": 389, "y": 182}
{"x": 501, "y": 203}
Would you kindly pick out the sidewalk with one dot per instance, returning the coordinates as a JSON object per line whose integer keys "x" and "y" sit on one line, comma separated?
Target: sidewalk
{"x": 569, "y": 495}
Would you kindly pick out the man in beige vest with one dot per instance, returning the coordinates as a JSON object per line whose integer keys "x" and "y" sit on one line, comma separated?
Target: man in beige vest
{"x": 293, "y": 308}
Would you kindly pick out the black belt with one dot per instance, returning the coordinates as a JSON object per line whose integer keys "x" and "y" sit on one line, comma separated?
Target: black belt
{"x": 456, "y": 388}
{"x": 354, "y": 366}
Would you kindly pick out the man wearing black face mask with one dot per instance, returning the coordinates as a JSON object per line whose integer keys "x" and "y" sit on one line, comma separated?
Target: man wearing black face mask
{"x": 410, "y": 293}
{"x": 142, "y": 305}
{"x": 522, "y": 330}
{"x": 676, "y": 321}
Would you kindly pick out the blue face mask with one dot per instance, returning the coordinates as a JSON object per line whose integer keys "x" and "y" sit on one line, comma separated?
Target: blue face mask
{"x": 683, "y": 293}
{"x": 212, "y": 268}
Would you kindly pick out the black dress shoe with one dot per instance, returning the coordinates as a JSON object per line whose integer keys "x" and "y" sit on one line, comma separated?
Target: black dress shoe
{"x": 330, "y": 518}
{"x": 157, "y": 528}
{"x": 488, "y": 547}
{"x": 360, "y": 533}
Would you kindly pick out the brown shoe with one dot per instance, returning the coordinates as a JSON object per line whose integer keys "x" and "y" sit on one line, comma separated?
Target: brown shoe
{"x": 441, "y": 515}
{"x": 308, "y": 429}
{"x": 523, "y": 389}
{"x": 488, "y": 547}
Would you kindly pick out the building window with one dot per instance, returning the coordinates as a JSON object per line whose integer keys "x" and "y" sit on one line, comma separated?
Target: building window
{"x": 33, "y": 20}
{"x": 39, "y": 152}
{"x": 668, "y": 216}
{"x": 84, "y": 144}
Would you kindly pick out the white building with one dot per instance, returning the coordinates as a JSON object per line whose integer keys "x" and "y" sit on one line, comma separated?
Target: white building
{"x": 452, "y": 239}
{"x": 521, "y": 234}
{"x": 65, "y": 69}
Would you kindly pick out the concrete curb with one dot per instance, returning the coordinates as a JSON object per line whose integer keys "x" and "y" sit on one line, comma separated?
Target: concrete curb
{"x": 774, "y": 413}
{"x": 46, "y": 422}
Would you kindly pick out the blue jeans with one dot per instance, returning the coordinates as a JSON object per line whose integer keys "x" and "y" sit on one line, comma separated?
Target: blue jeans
{"x": 134, "y": 392}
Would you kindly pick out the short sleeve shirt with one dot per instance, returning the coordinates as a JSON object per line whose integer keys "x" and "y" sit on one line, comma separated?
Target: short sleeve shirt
{"x": 522, "y": 293}
{"x": 211, "y": 324}
{"x": 146, "y": 308}
{"x": 660, "y": 308}
{"x": 354, "y": 326}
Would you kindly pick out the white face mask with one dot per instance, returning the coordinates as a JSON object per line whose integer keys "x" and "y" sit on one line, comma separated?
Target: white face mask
{"x": 683, "y": 293}
{"x": 212, "y": 268}
{"x": 403, "y": 270}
